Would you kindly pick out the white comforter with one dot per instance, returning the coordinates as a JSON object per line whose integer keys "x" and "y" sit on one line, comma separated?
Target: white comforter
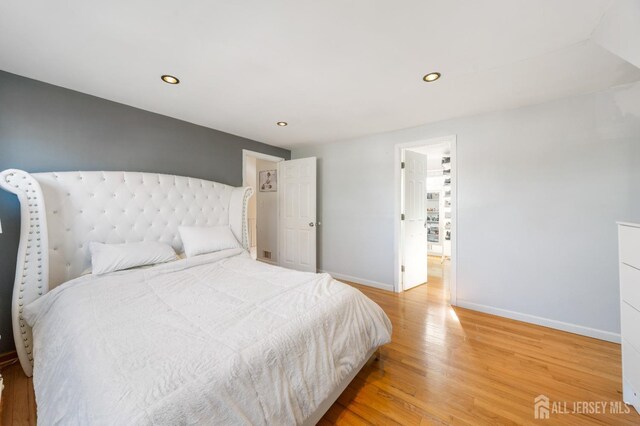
{"x": 216, "y": 339}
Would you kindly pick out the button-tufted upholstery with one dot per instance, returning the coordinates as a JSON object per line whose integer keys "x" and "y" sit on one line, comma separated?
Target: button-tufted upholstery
{"x": 65, "y": 211}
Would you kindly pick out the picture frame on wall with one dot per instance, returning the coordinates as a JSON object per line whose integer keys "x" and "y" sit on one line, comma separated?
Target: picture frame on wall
{"x": 268, "y": 181}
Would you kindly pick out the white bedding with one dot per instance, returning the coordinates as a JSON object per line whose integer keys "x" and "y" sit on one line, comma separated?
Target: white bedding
{"x": 214, "y": 339}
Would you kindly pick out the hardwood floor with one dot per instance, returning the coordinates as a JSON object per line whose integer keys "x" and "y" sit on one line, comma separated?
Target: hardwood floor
{"x": 18, "y": 399}
{"x": 450, "y": 366}
{"x": 457, "y": 366}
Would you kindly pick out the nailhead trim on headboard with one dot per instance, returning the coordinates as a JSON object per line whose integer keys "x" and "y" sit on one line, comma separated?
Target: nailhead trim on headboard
{"x": 32, "y": 269}
{"x": 245, "y": 223}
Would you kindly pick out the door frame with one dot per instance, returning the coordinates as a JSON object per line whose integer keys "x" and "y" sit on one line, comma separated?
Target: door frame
{"x": 397, "y": 240}
{"x": 261, "y": 156}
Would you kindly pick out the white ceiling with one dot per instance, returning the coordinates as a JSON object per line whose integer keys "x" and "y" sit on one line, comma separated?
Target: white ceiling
{"x": 333, "y": 69}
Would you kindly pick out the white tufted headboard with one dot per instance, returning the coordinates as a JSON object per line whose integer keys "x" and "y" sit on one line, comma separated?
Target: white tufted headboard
{"x": 61, "y": 213}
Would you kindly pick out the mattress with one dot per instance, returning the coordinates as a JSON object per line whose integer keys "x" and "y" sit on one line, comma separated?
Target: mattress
{"x": 214, "y": 339}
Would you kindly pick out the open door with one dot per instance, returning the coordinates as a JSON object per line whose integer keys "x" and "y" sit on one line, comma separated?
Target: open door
{"x": 414, "y": 225}
{"x": 297, "y": 207}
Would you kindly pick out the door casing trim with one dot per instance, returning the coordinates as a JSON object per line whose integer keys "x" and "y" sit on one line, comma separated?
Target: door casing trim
{"x": 397, "y": 240}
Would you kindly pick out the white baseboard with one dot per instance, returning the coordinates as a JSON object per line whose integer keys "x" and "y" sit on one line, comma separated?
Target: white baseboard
{"x": 358, "y": 280}
{"x": 546, "y": 322}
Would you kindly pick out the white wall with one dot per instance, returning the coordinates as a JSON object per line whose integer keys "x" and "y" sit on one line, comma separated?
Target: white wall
{"x": 267, "y": 216}
{"x": 539, "y": 191}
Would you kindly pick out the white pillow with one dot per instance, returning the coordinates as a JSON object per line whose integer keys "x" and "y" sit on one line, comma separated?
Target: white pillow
{"x": 199, "y": 240}
{"x": 115, "y": 257}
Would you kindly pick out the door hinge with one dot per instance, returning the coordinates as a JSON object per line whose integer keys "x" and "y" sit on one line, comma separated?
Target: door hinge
{"x": 402, "y": 165}
{"x": 402, "y": 268}
{"x": 402, "y": 216}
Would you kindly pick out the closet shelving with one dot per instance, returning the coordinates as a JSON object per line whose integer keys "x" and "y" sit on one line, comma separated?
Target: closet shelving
{"x": 446, "y": 166}
{"x": 433, "y": 218}
{"x": 439, "y": 205}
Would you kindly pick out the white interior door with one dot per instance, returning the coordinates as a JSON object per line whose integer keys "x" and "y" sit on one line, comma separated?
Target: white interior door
{"x": 414, "y": 225}
{"x": 297, "y": 206}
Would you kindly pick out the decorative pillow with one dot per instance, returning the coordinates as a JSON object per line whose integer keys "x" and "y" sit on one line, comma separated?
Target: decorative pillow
{"x": 199, "y": 240}
{"x": 115, "y": 257}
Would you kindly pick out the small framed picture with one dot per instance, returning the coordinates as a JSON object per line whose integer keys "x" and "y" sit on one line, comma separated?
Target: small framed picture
{"x": 268, "y": 181}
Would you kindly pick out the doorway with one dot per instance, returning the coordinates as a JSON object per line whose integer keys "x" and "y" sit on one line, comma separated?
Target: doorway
{"x": 259, "y": 172}
{"x": 425, "y": 226}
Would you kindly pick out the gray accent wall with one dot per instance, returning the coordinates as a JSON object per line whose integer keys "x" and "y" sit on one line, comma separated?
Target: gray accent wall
{"x": 49, "y": 128}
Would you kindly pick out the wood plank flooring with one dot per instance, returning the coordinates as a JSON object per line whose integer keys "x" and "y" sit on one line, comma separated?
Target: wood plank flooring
{"x": 18, "y": 399}
{"x": 457, "y": 366}
{"x": 450, "y": 366}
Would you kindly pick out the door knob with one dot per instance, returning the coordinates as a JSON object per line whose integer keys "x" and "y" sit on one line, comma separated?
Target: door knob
{"x": 311, "y": 224}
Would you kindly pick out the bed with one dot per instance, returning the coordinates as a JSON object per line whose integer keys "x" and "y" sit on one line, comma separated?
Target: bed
{"x": 212, "y": 339}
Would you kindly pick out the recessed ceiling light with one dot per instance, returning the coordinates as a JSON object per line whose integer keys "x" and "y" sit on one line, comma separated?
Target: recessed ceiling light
{"x": 169, "y": 79}
{"x": 432, "y": 76}
{"x": 282, "y": 123}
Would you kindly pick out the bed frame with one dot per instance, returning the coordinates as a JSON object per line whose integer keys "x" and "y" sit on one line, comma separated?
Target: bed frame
{"x": 62, "y": 212}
